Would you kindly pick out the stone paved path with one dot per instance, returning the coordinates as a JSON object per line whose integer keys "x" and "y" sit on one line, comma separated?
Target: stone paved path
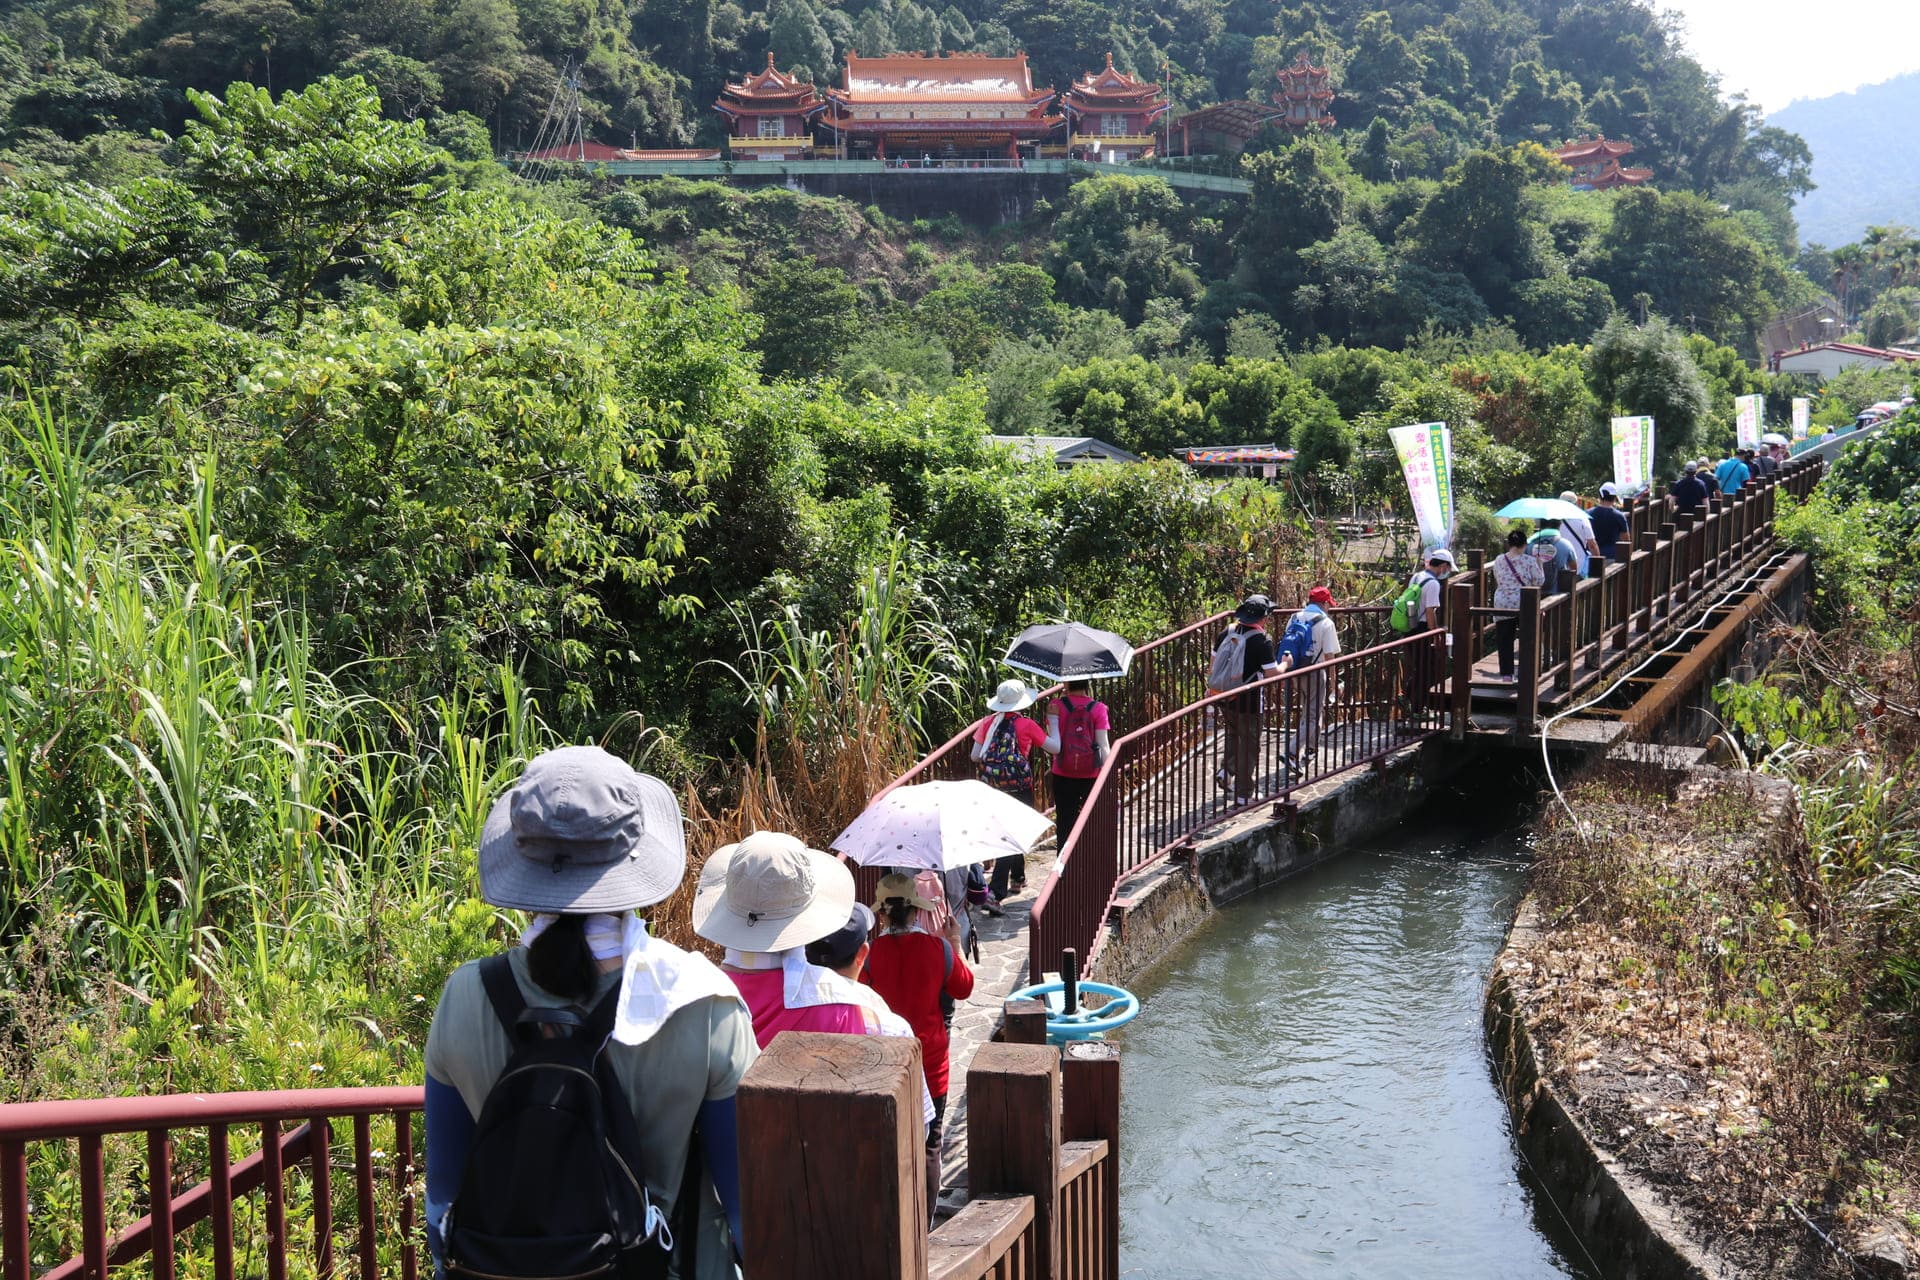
{"x": 1002, "y": 968}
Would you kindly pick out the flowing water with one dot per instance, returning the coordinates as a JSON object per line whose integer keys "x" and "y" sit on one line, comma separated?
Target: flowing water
{"x": 1307, "y": 1090}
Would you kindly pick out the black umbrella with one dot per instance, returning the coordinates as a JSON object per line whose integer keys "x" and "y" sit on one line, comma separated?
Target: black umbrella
{"x": 1069, "y": 651}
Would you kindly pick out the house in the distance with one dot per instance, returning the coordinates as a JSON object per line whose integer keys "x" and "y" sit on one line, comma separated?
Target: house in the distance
{"x": 1826, "y": 359}
{"x": 1067, "y": 451}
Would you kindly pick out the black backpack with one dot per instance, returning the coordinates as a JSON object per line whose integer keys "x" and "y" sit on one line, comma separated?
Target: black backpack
{"x": 552, "y": 1184}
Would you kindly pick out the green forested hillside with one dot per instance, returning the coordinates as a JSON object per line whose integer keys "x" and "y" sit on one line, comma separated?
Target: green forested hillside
{"x": 1866, "y": 150}
{"x": 1440, "y": 76}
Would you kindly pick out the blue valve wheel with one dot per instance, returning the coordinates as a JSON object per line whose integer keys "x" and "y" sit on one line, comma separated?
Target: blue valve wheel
{"x": 1121, "y": 1007}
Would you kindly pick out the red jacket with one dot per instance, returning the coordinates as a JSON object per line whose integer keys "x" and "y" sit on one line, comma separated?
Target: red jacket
{"x": 909, "y": 970}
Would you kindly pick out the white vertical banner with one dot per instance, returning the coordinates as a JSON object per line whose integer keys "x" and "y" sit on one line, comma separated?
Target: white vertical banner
{"x": 1632, "y": 455}
{"x": 1426, "y": 459}
{"x": 1749, "y": 411}
{"x": 1802, "y": 413}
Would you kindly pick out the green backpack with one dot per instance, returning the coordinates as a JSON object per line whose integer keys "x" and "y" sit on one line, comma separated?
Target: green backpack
{"x": 1406, "y": 609}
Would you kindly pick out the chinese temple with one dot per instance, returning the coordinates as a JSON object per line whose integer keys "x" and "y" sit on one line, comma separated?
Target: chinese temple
{"x": 1111, "y": 115}
{"x": 1305, "y": 96}
{"x": 955, "y": 106}
{"x": 769, "y": 115}
{"x": 1596, "y": 165}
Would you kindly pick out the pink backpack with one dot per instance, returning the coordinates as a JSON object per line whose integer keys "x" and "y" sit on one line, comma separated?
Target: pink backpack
{"x": 1077, "y": 758}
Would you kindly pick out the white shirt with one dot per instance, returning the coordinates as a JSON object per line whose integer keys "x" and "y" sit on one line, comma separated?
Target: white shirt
{"x": 1326, "y": 638}
{"x": 1429, "y": 594}
{"x": 1582, "y": 530}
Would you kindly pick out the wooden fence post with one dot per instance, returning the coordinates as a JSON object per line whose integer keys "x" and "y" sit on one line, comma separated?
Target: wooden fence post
{"x": 1023, "y": 1022}
{"x": 1649, "y": 579}
{"x": 1461, "y": 621}
{"x": 1013, "y": 1137}
{"x": 1527, "y": 674}
{"x": 1090, "y": 1078}
{"x": 841, "y": 1192}
{"x": 1569, "y": 636}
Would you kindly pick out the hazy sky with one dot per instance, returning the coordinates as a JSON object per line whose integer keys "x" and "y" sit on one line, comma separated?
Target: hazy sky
{"x": 1775, "y": 51}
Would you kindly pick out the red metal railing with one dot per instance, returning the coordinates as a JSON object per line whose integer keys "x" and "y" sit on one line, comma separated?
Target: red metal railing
{"x": 1225, "y": 754}
{"x": 1166, "y": 673}
{"x": 1170, "y": 778}
{"x": 151, "y": 1184}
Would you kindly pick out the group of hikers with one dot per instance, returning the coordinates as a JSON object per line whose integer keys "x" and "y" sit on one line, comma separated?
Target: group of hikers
{"x": 580, "y": 1086}
{"x": 1688, "y": 493}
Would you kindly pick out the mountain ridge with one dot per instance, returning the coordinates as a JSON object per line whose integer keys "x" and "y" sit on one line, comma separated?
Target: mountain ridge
{"x": 1865, "y": 149}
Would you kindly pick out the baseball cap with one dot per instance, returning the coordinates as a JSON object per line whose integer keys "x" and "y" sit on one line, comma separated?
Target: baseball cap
{"x": 840, "y": 947}
{"x": 1609, "y": 491}
{"x": 1253, "y": 608}
{"x": 1441, "y": 554}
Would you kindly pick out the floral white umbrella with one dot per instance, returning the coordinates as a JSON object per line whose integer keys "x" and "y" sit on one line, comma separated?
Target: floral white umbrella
{"x": 941, "y": 825}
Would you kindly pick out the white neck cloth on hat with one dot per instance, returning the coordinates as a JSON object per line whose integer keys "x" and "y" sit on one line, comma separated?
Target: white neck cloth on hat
{"x": 657, "y": 979}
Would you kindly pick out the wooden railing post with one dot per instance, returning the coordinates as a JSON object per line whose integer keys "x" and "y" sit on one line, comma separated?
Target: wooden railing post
{"x": 856, "y": 1207}
{"x": 1527, "y": 678}
{"x": 1672, "y": 577}
{"x": 1649, "y": 580}
{"x": 1013, "y": 1137}
{"x": 1023, "y": 1022}
{"x": 1569, "y": 636}
{"x": 1090, "y": 1079}
{"x": 1680, "y": 561}
{"x": 1460, "y": 638}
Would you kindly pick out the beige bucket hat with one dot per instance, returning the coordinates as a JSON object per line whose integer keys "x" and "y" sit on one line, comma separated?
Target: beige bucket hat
{"x": 770, "y": 892}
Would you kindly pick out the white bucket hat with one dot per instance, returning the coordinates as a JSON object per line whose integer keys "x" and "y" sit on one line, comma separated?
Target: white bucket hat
{"x": 582, "y": 832}
{"x": 1012, "y": 695}
{"x": 770, "y": 892}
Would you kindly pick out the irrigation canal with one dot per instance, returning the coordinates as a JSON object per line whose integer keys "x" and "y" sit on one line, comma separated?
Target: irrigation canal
{"x": 1308, "y": 1091}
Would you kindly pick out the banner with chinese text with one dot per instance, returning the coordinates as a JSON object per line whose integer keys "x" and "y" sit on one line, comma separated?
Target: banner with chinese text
{"x": 1426, "y": 458}
{"x": 1632, "y": 455}
{"x": 1802, "y": 411}
{"x": 1749, "y": 412}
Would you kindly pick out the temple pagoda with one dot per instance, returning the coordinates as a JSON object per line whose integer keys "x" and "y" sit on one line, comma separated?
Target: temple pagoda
{"x": 769, "y": 115}
{"x": 1596, "y": 165}
{"x": 1112, "y": 115}
{"x": 945, "y": 109}
{"x": 1304, "y": 95}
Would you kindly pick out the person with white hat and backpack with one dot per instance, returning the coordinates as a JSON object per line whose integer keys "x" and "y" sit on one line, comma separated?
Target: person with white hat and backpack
{"x": 1003, "y": 745}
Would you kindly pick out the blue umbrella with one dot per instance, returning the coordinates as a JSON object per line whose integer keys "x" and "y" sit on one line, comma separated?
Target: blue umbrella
{"x": 1539, "y": 509}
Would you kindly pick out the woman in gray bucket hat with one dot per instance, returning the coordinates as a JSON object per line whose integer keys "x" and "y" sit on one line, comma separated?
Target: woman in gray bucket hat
{"x": 582, "y": 842}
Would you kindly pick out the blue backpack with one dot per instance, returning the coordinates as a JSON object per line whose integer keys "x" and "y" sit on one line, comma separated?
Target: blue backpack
{"x": 1297, "y": 639}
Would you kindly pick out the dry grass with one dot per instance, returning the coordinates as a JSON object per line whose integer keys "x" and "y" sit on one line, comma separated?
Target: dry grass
{"x": 808, "y": 790}
{"x": 1713, "y": 1012}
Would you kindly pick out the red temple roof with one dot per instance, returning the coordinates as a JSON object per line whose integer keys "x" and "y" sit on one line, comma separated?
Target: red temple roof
{"x": 1584, "y": 149}
{"x": 770, "y": 82}
{"x": 1112, "y": 84}
{"x": 947, "y": 78}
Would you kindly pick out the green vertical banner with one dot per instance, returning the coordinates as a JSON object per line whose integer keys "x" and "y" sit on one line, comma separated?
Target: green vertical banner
{"x": 1426, "y": 459}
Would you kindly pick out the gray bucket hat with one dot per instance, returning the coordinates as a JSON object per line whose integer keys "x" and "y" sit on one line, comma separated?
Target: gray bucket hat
{"x": 582, "y": 832}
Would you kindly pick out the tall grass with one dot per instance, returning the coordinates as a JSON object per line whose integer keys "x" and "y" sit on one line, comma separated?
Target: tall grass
{"x": 187, "y": 798}
{"x": 843, "y": 713}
